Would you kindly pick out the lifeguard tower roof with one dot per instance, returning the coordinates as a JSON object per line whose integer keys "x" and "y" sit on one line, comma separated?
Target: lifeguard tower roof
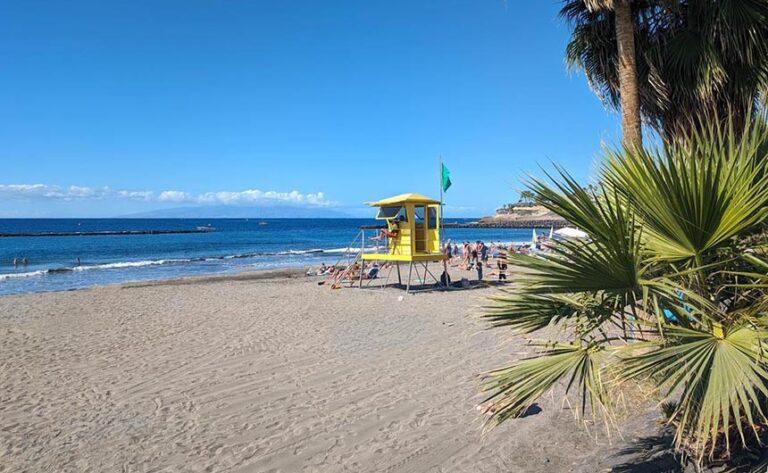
{"x": 410, "y": 198}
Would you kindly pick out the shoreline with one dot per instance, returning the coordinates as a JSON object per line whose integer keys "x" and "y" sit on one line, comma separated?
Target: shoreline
{"x": 296, "y": 272}
{"x": 285, "y": 273}
{"x": 245, "y": 273}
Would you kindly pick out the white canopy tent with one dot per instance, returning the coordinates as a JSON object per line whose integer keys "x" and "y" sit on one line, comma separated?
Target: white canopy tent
{"x": 570, "y": 232}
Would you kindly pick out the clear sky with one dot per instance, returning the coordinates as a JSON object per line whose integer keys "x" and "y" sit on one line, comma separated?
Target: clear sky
{"x": 109, "y": 107}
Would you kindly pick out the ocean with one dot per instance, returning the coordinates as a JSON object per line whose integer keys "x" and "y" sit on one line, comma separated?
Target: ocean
{"x": 235, "y": 245}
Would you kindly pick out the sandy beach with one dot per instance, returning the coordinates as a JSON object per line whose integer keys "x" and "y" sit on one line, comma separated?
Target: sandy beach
{"x": 267, "y": 372}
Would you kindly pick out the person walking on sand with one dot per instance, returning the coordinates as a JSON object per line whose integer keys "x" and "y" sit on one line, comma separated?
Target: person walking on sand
{"x": 479, "y": 270}
{"x": 465, "y": 256}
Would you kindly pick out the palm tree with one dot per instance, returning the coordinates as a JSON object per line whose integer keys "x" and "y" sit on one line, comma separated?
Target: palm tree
{"x": 527, "y": 196}
{"x": 630, "y": 100}
{"x": 622, "y": 26}
{"x": 693, "y": 57}
{"x": 671, "y": 289}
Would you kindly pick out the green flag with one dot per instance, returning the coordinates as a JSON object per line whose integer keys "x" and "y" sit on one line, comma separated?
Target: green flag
{"x": 446, "y": 175}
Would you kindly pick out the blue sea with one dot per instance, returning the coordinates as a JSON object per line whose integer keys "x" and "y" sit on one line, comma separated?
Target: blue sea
{"x": 235, "y": 245}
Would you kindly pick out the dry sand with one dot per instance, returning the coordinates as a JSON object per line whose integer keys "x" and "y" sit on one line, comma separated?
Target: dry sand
{"x": 266, "y": 373}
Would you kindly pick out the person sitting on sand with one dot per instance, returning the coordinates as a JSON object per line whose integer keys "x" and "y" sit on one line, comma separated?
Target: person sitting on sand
{"x": 372, "y": 272}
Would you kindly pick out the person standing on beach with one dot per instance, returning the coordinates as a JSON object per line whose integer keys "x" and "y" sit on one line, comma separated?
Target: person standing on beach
{"x": 483, "y": 251}
{"x": 448, "y": 251}
{"x": 479, "y": 270}
{"x": 473, "y": 256}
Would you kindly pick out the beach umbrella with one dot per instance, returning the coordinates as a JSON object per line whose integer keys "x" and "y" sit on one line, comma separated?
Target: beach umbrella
{"x": 570, "y": 232}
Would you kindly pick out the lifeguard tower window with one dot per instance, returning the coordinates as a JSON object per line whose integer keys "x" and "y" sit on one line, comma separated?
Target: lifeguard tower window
{"x": 387, "y": 213}
{"x": 432, "y": 221}
{"x": 432, "y": 216}
{"x": 421, "y": 234}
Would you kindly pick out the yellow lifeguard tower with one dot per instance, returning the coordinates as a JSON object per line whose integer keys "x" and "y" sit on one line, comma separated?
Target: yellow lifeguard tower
{"x": 412, "y": 234}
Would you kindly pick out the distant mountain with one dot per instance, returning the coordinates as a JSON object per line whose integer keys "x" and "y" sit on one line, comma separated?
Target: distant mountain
{"x": 233, "y": 211}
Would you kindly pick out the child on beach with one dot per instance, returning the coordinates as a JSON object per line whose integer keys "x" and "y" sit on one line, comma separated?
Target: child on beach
{"x": 501, "y": 264}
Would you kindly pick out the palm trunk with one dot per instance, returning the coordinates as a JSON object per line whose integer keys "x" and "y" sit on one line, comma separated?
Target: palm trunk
{"x": 630, "y": 100}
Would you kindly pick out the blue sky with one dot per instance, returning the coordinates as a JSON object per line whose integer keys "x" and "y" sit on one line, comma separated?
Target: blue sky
{"x": 114, "y": 107}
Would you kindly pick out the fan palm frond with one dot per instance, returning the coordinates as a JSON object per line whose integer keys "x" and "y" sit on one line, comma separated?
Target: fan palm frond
{"x": 719, "y": 377}
{"x": 693, "y": 199}
{"x": 677, "y": 261}
{"x": 520, "y": 385}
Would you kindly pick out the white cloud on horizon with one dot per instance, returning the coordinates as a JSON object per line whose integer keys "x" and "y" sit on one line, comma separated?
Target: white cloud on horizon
{"x": 75, "y": 193}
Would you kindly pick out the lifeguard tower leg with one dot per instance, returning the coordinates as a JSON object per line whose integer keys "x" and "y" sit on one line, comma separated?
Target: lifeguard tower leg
{"x": 362, "y": 252}
{"x": 399, "y": 278}
{"x": 408, "y": 284}
{"x": 439, "y": 282}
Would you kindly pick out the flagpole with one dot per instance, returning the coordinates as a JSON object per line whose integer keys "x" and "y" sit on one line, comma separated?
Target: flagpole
{"x": 440, "y": 183}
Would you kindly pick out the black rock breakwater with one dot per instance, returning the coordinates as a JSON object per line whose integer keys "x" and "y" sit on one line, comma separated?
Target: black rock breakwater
{"x": 103, "y": 233}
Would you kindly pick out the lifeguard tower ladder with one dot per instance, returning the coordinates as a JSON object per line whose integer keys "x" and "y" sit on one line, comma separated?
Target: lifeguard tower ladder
{"x": 411, "y": 235}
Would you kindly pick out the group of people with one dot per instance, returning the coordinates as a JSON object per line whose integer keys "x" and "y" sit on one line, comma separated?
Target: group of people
{"x": 369, "y": 270}
{"x": 469, "y": 256}
{"x": 477, "y": 255}
{"x": 322, "y": 270}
